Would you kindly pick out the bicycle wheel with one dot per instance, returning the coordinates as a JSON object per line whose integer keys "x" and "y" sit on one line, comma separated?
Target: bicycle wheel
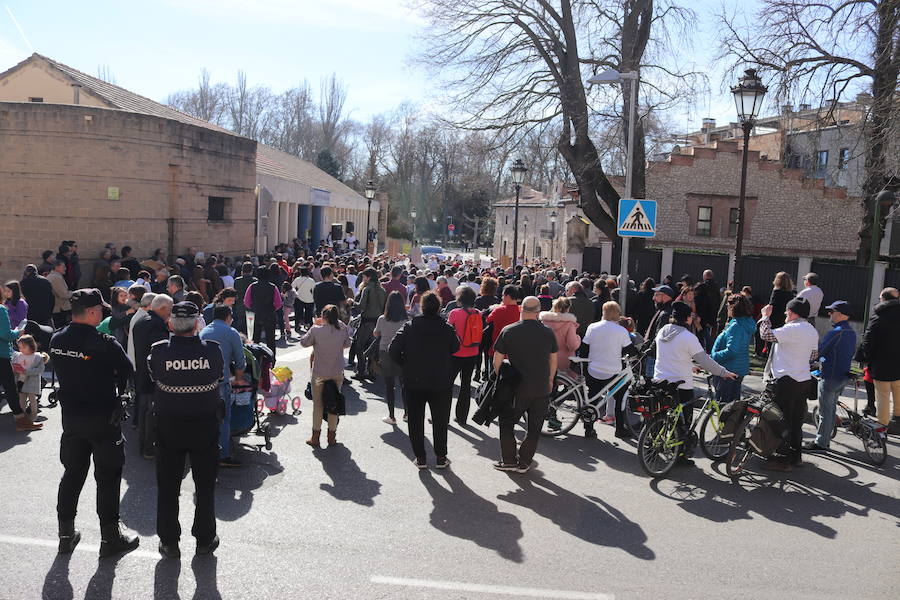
{"x": 874, "y": 443}
{"x": 658, "y": 445}
{"x": 817, "y": 418}
{"x": 740, "y": 451}
{"x": 565, "y": 406}
{"x": 712, "y": 445}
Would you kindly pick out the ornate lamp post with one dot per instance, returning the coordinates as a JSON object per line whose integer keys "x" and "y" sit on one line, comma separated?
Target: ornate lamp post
{"x": 412, "y": 215}
{"x": 553, "y": 217}
{"x": 748, "y": 97}
{"x": 518, "y": 171}
{"x": 370, "y": 195}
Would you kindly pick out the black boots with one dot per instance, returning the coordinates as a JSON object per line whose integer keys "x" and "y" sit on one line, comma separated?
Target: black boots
{"x": 169, "y": 550}
{"x": 208, "y": 548}
{"x": 68, "y": 537}
{"x": 114, "y": 539}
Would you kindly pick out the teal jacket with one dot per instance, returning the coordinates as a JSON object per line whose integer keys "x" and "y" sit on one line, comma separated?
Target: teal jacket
{"x": 7, "y": 334}
{"x": 732, "y": 347}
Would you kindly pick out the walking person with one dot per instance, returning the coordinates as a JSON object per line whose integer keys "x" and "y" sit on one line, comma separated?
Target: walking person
{"x": 386, "y": 328}
{"x": 468, "y": 324}
{"x": 186, "y": 372}
{"x": 423, "y": 348}
{"x": 220, "y": 330}
{"x": 795, "y": 345}
{"x": 835, "y": 354}
{"x": 531, "y": 349}
{"x": 879, "y": 349}
{"x": 732, "y": 348}
{"x": 92, "y": 370}
{"x": 328, "y": 337}
{"x": 371, "y": 306}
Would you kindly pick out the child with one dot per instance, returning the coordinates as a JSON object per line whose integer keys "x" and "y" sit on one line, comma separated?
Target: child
{"x": 28, "y": 364}
{"x": 288, "y": 295}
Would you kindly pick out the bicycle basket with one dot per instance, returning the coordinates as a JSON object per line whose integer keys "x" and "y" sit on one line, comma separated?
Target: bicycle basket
{"x": 650, "y": 398}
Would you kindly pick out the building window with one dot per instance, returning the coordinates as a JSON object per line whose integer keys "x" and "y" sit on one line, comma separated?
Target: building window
{"x": 704, "y": 220}
{"x": 217, "y": 208}
{"x": 843, "y": 158}
{"x": 821, "y": 161}
{"x": 733, "y": 214}
{"x": 35, "y": 99}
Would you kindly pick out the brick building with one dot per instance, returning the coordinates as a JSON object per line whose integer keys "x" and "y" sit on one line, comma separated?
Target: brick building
{"x": 83, "y": 159}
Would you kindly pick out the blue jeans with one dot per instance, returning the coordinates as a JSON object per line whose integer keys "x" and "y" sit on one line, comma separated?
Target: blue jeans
{"x": 225, "y": 425}
{"x": 727, "y": 390}
{"x": 829, "y": 392}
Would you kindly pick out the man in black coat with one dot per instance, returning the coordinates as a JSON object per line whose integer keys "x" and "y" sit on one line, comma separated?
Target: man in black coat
{"x": 38, "y": 293}
{"x": 708, "y": 300}
{"x": 880, "y": 349}
{"x": 663, "y": 295}
{"x": 240, "y": 286}
{"x": 151, "y": 328}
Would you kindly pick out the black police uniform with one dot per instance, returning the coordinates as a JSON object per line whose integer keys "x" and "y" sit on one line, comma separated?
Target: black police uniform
{"x": 186, "y": 372}
{"x": 92, "y": 369}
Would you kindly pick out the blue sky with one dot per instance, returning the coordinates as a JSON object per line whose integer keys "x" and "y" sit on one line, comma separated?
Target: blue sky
{"x": 157, "y": 47}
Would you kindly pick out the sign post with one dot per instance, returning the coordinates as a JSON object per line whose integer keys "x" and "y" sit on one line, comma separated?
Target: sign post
{"x": 637, "y": 218}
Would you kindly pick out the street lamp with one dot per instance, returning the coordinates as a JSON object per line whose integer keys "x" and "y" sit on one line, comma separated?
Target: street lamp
{"x": 748, "y": 97}
{"x": 518, "y": 170}
{"x": 525, "y": 239}
{"x": 553, "y": 216}
{"x": 610, "y": 77}
{"x": 370, "y": 195}
{"x": 412, "y": 215}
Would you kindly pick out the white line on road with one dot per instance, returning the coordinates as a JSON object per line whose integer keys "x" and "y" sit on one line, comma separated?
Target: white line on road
{"x": 478, "y": 588}
{"x": 21, "y": 541}
{"x": 293, "y": 354}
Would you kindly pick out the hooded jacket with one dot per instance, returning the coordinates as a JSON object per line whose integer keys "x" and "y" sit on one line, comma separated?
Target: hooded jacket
{"x": 675, "y": 357}
{"x": 732, "y": 348}
{"x": 880, "y": 346}
{"x": 564, "y": 326}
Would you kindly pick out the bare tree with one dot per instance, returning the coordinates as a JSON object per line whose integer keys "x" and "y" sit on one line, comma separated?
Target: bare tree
{"x": 523, "y": 64}
{"x": 827, "y": 48}
{"x": 207, "y": 102}
{"x": 106, "y": 74}
{"x": 248, "y": 108}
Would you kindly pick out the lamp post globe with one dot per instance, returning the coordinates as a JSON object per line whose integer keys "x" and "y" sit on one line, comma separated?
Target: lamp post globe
{"x": 748, "y": 98}
{"x": 517, "y": 171}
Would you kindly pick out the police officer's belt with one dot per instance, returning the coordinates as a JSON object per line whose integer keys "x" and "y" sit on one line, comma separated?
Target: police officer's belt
{"x": 187, "y": 389}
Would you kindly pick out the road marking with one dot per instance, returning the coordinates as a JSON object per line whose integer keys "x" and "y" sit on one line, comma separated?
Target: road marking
{"x": 82, "y": 547}
{"x": 478, "y": 588}
{"x": 293, "y": 354}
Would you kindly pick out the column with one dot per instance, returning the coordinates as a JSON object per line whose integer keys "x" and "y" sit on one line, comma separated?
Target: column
{"x": 293, "y": 210}
{"x": 731, "y": 270}
{"x": 303, "y": 221}
{"x": 804, "y": 266}
{"x": 316, "y": 225}
{"x": 606, "y": 252}
{"x": 877, "y": 285}
{"x": 272, "y": 229}
{"x": 283, "y": 222}
{"x": 665, "y": 268}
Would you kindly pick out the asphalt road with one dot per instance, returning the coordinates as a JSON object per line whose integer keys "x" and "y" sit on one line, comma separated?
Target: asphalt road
{"x": 359, "y": 521}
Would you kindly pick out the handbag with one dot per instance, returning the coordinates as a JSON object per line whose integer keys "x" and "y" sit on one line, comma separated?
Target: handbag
{"x": 308, "y": 391}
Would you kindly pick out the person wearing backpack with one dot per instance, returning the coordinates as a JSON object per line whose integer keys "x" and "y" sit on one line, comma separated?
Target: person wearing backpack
{"x": 468, "y": 323}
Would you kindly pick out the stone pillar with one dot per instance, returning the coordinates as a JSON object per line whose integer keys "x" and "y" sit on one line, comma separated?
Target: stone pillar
{"x": 606, "y": 253}
{"x": 293, "y": 221}
{"x": 273, "y": 227}
{"x": 283, "y": 222}
{"x": 877, "y": 284}
{"x": 804, "y": 266}
{"x": 665, "y": 267}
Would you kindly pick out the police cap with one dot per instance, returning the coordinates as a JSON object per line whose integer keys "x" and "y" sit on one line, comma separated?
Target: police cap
{"x": 88, "y": 298}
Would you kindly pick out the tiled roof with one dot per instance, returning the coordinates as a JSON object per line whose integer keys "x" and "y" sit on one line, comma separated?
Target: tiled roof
{"x": 126, "y": 100}
{"x": 270, "y": 161}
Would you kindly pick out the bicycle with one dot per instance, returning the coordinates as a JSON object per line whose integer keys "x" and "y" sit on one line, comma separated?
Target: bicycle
{"x": 872, "y": 433}
{"x": 571, "y": 400}
{"x": 741, "y": 447}
{"x": 661, "y": 441}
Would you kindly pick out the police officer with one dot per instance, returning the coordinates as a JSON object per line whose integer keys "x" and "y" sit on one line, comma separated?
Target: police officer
{"x": 186, "y": 372}
{"x": 92, "y": 369}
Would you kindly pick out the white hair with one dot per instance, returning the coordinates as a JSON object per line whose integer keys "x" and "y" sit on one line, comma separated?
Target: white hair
{"x": 161, "y": 301}
{"x": 183, "y": 325}
{"x": 146, "y": 299}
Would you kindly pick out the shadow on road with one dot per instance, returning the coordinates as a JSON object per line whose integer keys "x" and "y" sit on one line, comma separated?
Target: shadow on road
{"x": 165, "y": 580}
{"x": 460, "y": 512}
{"x": 349, "y": 481}
{"x": 56, "y": 583}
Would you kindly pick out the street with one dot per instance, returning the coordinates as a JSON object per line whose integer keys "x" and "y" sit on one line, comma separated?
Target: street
{"x": 359, "y": 521}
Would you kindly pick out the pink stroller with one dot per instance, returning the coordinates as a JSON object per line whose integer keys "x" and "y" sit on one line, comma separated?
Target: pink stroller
{"x": 278, "y": 397}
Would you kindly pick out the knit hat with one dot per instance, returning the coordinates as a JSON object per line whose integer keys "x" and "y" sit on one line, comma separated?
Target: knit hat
{"x": 681, "y": 311}
{"x": 799, "y": 306}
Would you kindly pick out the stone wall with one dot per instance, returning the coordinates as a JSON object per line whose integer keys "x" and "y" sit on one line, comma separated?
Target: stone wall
{"x": 57, "y": 163}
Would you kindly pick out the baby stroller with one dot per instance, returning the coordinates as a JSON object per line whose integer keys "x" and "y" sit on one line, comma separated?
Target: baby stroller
{"x": 278, "y": 396}
{"x": 244, "y": 411}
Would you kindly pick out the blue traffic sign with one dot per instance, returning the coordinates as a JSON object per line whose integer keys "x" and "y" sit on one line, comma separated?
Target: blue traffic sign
{"x": 637, "y": 218}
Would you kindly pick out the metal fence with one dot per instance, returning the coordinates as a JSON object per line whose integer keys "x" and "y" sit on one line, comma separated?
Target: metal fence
{"x": 842, "y": 282}
{"x": 694, "y": 263}
{"x": 642, "y": 263}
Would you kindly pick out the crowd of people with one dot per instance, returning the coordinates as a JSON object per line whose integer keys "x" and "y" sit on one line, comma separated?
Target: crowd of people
{"x": 180, "y": 326}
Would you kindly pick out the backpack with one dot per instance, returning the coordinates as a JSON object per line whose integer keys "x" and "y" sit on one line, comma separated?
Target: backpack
{"x": 772, "y": 431}
{"x": 473, "y": 330}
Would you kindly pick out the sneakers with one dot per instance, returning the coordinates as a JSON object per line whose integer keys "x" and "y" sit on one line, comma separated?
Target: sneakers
{"x": 169, "y": 550}
{"x": 442, "y": 462}
{"x": 813, "y": 447}
{"x": 390, "y": 420}
{"x": 68, "y": 537}
{"x": 229, "y": 462}
{"x": 208, "y": 548}
{"x": 502, "y": 466}
{"x": 420, "y": 464}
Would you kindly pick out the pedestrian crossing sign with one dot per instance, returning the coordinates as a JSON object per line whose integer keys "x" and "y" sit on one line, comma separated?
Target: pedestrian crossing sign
{"x": 637, "y": 218}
